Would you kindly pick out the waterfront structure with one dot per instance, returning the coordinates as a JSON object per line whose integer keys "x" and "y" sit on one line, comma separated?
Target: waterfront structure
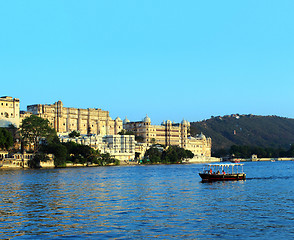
{"x": 3, "y": 154}
{"x": 9, "y": 111}
{"x": 169, "y": 133}
{"x": 140, "y": 149}
{"x": 199, "y": 145}
{"x": 21, "y": 160}
{"x": 121, "y": 147}
{"x": 85, "y": 121}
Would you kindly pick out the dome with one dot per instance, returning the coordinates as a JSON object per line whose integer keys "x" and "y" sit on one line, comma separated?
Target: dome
{"x": 117, "y": 119}
{"x": 202, "y": 136}
{"x": 147, "y": 119}
{"x": 126, "y": 120}
{"x": 184, "y": 122}
{"x": 168, "y": 122}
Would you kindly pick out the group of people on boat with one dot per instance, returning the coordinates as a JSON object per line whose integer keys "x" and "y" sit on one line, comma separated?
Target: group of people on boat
{"x": 218, "y": 172}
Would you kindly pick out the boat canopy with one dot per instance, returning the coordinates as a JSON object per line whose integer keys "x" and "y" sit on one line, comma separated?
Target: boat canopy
{"x": 229, "y": 167}
{"x": 224, "y": 164}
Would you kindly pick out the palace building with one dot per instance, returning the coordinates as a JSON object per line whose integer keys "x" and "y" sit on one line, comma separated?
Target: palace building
{"x": 9, "y": 111}
{"x": 169, "y": 133}
{"x": 85, "y": 121}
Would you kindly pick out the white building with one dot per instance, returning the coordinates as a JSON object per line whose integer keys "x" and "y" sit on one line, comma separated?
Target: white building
{"x": 9, "y": 111}
{"x": 121, "y": 147}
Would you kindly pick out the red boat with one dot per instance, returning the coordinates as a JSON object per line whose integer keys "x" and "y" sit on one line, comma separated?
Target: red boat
{"x": 223, "y": 172}
{"x": 235, "y": 161}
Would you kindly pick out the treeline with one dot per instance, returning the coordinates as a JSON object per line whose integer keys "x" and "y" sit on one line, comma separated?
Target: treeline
{"x": 239, "y": 151}
{"x": 75, "y": 153}
{"x": 173, "y": 154}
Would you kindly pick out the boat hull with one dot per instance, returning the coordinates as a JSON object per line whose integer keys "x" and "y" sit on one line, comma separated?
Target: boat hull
{"x": 222, "y": 177}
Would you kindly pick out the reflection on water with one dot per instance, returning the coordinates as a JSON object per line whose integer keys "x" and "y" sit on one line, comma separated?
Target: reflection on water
{"x": 143, "y": 202}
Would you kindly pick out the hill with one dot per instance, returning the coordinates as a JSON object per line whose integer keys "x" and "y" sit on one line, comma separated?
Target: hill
{"x": 251, "y": 130}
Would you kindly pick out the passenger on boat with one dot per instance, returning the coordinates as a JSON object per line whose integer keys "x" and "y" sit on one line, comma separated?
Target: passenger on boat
{"x": 224, "y": 172}
{"x": 218, "y": 172}
{"x": 210, "y": 171}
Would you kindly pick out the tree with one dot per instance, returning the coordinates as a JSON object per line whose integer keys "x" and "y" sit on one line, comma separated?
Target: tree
{"x": 36, "y": 161}
{"x": 126, "y": 132}
{"x": 139, "y": 139}
{"x": 34, "y": 129}
{"x": 59, "y": 151}
{"x": 153, "y": 155}
{"x": 173, "y": 154}
{"x": 74, "y": 134}
{"x": 6, "y": 139}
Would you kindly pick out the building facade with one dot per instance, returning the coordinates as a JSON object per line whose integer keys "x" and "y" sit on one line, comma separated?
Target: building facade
{"x": 9, "y": 111}
{"x": 21, "y": 160}
{"x": 169, "y": 133}
{"x": 121, "y": 147}
{"x": 85, "y": 121}
{"x": 199, "y": 145}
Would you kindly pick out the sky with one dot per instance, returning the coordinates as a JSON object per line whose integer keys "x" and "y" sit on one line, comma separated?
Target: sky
{"x": 175, "y": 60}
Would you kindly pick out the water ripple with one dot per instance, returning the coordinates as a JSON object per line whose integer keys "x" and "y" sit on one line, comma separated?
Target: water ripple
{"x": 146, "y": 202}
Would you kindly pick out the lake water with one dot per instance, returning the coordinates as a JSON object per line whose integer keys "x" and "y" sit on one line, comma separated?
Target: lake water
{"x": 147, "y": 202}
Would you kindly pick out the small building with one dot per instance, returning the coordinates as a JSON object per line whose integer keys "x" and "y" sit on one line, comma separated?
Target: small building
{"x": 9, "y": 111}
{"x": 3, "y": 154}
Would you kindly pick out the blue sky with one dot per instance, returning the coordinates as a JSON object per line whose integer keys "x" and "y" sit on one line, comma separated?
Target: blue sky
{"x": 169, "y": 59}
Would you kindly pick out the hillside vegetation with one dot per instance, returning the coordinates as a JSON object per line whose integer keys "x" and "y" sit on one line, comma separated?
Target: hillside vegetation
{"x": 250, "y": 130}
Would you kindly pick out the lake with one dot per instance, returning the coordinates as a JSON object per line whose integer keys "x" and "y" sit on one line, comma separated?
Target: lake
{"x": 147, "y": 202}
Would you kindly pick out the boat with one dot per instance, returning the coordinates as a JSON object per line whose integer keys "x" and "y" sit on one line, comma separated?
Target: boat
{"x": 235, "y": 161}
{"x": 222, "y": 172}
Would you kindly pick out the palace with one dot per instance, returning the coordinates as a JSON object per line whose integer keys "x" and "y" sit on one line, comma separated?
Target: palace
{"x": 99, "y": 131}
{"x": 169, "y": 133}
{"x": 85, "y": 121}
{"x": 9, "y": 111}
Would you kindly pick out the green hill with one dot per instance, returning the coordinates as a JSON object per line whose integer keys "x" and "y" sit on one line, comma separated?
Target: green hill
{"x": 251, "y": 130}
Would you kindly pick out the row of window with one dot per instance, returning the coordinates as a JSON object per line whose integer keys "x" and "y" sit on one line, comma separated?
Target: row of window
{"x": 7, "y": 115}
{"x": 8, "y": 104}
